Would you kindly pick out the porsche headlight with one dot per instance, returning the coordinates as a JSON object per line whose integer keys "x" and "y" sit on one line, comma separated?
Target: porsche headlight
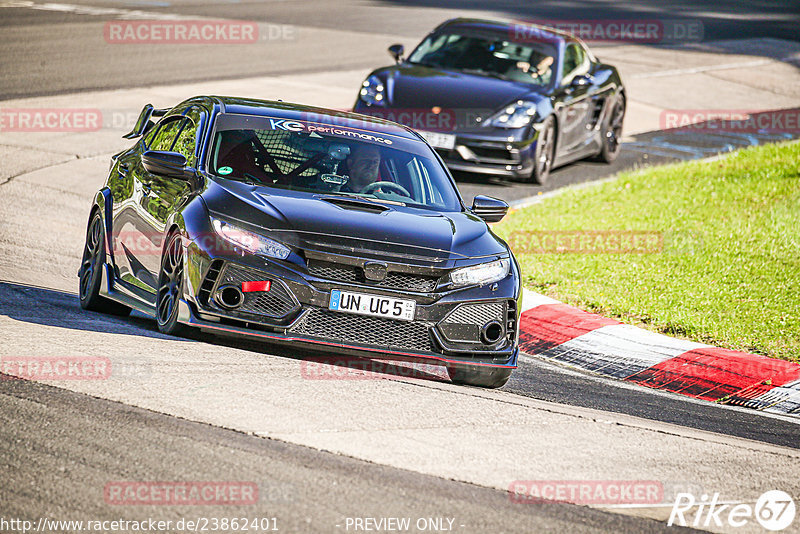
{"x": 250, "y": 241}
{"x": 514, "y": 115}
{"x": 482, "y": 274}
{"x": 372, "y": 91}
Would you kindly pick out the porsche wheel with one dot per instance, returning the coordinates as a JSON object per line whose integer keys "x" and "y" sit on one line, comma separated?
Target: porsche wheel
{"x": 485, "y": 377}
{"x": 612, "y": 132}
{"x": 170, "y": 288}
{"x": 90, "y": 272}
{"x": 544, "y": 152}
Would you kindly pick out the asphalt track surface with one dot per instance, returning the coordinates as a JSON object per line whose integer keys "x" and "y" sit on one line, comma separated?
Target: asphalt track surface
{"x": 59, "y": 447}
{"x": 43, "y": 53}
{"x": 61, "y": 50}
{"x": 534, "y": 378}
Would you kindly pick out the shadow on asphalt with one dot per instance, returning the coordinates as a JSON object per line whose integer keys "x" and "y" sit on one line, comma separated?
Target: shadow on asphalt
{"x": 50, "y": 307}
{"x": 534, "y": 379}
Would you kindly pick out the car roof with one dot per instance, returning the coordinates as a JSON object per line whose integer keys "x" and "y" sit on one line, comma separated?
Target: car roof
{"x": 304, "y": 113}
{"x": 542, "y": 33}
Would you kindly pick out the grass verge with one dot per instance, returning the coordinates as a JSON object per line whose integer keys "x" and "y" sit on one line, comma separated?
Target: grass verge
{"x": 717, "y": 259}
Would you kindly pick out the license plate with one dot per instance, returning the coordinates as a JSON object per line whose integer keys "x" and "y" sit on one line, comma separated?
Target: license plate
{"x": 439, "y": 140}
{"x": 375, "y": 305}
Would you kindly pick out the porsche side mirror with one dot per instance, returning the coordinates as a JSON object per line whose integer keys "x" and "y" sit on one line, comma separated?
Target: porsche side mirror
{"x": 489, "y": 209}
{"x": 396, "y": 51}
{"x": 170, "y": 164}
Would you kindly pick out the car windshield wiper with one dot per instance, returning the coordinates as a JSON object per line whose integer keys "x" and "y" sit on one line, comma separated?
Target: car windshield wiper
{"x": 482, "y": 72}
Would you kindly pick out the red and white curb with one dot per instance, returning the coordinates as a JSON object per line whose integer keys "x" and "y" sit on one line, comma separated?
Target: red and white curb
{"x": 555, "y": 331}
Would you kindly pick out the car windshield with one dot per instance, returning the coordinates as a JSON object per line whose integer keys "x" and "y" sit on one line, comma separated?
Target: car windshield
{"x": 323, "y": 158}
{"x": 488, "y": 56}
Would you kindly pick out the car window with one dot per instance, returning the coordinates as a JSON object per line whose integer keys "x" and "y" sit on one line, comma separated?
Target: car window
{"x": 487, "y": 55}
{"x": 431, "y": 45}
{"x": 148, "y": 137}
{"x": 320, "y": 158}
{"x": 165, "y": 133}
{"x": 575, "y": 62}
{"x": 186, "y": 140}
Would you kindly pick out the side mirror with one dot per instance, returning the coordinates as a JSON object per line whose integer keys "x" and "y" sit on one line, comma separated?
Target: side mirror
{"x": 489, "y": 209}
{"x": 170, "y": 164}
{"x": 396, "y": 51}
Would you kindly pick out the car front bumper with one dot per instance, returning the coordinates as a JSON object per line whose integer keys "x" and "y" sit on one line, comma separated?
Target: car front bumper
{"x": 490, "y": 155}
{"x": 448, "y": 327}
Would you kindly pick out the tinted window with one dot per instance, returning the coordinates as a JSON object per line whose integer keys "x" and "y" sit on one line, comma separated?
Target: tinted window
{"x": 322, "y": 158}
{"x": 186, "y": 141}
{"x": 575, "y": 62}
{"x": 484, "y": 55}
{"x": 165, "y": 134}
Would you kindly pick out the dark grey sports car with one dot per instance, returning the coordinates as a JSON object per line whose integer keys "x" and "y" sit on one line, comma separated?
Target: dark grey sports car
{"x": 506, "y": 99}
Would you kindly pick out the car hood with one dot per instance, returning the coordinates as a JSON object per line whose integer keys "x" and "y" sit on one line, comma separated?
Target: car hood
{"x": 324, "y": 223}
{"x": 419, "y": 87}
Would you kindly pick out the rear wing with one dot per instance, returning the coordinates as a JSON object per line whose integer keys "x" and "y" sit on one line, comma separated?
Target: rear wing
{"x": 143, "y": 123}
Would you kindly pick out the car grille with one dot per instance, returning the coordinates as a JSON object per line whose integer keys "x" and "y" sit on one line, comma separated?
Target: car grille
{"x": 353, "y": 274}
{"x": 277, "y": 302}
{"x": 464, "y": 323}
{"x": 351, "y": 328}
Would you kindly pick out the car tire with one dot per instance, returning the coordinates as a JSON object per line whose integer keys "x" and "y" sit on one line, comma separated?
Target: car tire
{"x": 484, "y": 377}
{"x": 544, "y": 153}
{"x": 90, "y": 272}
{"x": 170, "y": 288}
{"x": 612, "y": 131}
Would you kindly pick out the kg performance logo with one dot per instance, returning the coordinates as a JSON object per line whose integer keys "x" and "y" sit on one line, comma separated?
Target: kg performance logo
{"x": 774, "y": 510}
{"x": 310, "y": 127}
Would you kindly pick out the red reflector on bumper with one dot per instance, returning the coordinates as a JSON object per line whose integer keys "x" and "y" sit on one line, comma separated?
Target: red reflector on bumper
{"x": 249, "y": 287}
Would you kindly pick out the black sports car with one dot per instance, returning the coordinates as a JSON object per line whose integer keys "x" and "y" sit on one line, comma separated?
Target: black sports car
{"x": 508, "y": 99}
{"x": 299, "y": 224}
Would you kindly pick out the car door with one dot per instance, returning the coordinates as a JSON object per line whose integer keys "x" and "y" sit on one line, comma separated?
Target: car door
{"x": 124, "y": 215}
{"x": 168, "y": 194}
{"x": 576, "y": 103}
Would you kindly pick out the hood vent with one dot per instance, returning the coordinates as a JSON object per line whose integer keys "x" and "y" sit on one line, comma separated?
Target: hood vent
{"x": 356, "y": 204}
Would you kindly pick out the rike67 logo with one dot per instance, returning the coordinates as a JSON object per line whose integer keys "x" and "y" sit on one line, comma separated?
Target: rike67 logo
{"x": 774, "y": 510}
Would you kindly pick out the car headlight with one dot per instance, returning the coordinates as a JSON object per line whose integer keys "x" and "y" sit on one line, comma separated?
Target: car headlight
{"x": 484, "y": 273}
{"x": 514, "y": 115}
{"x": 250, "y": 241}
{"x": 372, "y": 91}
